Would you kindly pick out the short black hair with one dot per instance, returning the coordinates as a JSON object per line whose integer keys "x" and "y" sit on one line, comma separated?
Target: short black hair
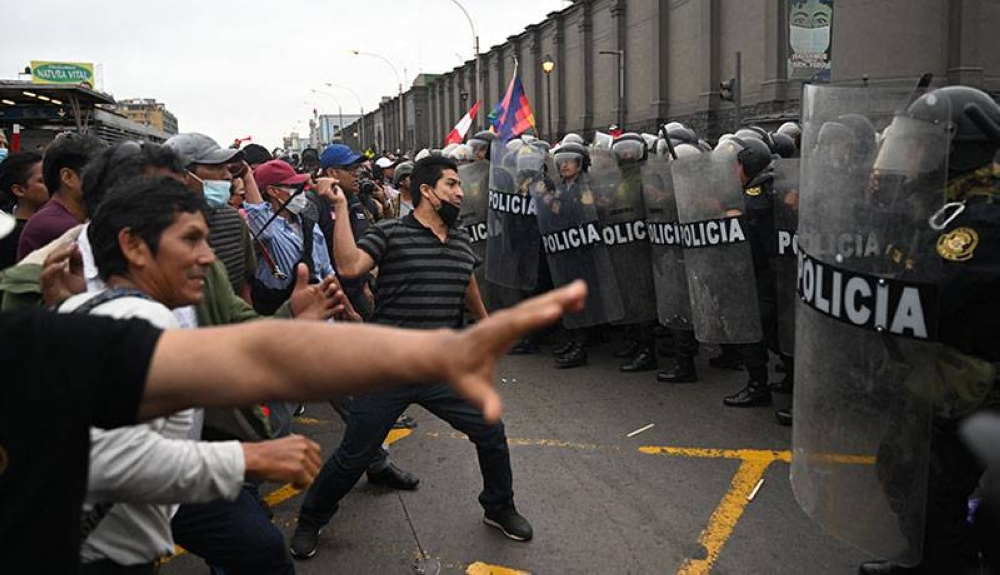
{"x": 255, "y": 154}
{"x": 428, "y": 171}
{"x": 125, "y": 161}
{"x": 71, "y": 151}
{"x": 14, "y": 171}
{"x": 145, "y": 205}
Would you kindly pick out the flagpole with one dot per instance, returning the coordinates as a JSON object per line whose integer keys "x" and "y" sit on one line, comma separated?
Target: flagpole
{"x": 480, "y": 95}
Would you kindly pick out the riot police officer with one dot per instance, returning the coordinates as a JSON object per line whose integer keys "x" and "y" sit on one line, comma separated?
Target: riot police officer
{"x": 968, "y": 322}
{"x": 754, "y": 159}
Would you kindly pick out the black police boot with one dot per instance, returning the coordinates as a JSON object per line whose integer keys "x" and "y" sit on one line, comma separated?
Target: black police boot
{"x": 645, "y": 360}
{"x": 754, "y": 394}
{"x": 784, "y": 417}
{"x": 886, "y": 568}
{"x": 683, "y": 372}
{"x": 575, "y": 358}
{"x": 526, "y": 346}
{"x": 632, "y": 350}
{"x": 726, "y": 360}
{"x": 564, "y": 348}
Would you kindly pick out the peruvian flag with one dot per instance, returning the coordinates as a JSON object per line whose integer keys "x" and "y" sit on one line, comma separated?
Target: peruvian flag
{"x": 457, "y": 133}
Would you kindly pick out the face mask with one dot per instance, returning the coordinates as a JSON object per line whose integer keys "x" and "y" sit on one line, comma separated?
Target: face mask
{"x": 447, "y": 211}
{"x": 216, "y": 192}
{"x": 3, "y": 154}
{"x": 297, "y": 203}
{"x": 809, "y": 40}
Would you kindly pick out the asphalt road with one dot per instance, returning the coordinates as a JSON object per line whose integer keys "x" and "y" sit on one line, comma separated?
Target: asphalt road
{"x": 674, "y": 498}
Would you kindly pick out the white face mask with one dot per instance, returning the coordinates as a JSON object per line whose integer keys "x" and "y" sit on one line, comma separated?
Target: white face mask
{"x": 297, "y": 204}
{"x": 809, "y": 40}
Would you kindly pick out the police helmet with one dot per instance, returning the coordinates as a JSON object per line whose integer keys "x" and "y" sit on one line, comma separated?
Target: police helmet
{"x": 482, "y": 141}
{"x": 530, "y": 159}
{"x": 976, "y": 125}
{"x": 680, "y": 134}
{"x": 685, "y": 150}
{"x": 462, "y": 153}
{"x": 573, "y": 138}
{"x": 629, "y": 148}
{"x": 783, "y": 145}
{"x": 790, "y": 129}
{"x": 752, "y": 153}
{"x": 573, "y": 152}
{"x": 402, "y": 170}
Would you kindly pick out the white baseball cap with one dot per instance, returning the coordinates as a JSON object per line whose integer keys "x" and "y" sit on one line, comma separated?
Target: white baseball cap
{"x": 7, "y": 224}
{"x": 384, "y": 163}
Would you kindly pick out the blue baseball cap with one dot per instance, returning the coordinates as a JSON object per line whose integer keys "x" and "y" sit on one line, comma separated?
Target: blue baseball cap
{"x": 339, "y": 156}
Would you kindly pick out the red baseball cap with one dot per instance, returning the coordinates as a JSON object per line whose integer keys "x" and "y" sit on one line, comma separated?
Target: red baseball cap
{"x": 277, "y": 173}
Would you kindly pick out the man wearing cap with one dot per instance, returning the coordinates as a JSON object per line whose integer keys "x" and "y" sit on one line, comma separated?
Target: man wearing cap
{"x": 340, "y": 162}
{"x": 208, "y": 166}
{"x": 388, "y": 167}
{"x": 287, "y": 234}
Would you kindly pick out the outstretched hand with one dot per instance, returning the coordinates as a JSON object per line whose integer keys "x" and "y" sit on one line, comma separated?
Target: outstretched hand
{"x": 471, "y": 361}
{"x": 316, "y": 301}
{"x": 62, "y": 275}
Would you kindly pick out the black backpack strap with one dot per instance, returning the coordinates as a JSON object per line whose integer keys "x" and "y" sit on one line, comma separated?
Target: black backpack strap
{"x": 307, "y": 247}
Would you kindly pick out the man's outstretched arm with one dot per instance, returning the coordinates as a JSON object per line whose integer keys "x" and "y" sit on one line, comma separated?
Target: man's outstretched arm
{"x": 270, "y": 360}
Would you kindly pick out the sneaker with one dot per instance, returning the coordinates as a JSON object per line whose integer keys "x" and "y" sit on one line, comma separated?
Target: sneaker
{"x": 394, "y": 478}
{"x": 512, "y": 523}
{"x": 753, "y": 395}
{"x": 304, "y": 541}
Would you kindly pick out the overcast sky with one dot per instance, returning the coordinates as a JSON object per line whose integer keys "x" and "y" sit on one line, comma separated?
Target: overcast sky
{"x": 233, "y": 68}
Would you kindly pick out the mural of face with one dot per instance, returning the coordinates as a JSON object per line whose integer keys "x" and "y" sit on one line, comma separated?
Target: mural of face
{"x": 809, "y": 27}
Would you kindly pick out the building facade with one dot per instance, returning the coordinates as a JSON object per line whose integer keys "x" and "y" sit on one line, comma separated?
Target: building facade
{"x": 148, "y": 112}
{"x": 674, "y": 54}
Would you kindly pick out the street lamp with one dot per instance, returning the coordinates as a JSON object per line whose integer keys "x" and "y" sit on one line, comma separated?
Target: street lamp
{"x": 547, "y": 66}
{"x": 620, "y": 54}
{"x": 340, "y": 110}
{"x": 399, "y": 82}
{"x": 361, "y": 106}
{"x": 475, "y": 49}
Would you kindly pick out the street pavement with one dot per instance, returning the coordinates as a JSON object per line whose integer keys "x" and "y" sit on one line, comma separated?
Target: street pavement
{"x": 683, "y": 496}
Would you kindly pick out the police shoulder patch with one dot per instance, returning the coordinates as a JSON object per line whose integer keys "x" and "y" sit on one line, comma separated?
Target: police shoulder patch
{"x": 958, "y": 245}
{"x": 754, "y": 191}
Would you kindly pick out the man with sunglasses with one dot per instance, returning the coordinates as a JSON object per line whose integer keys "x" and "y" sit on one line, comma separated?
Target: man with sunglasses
{"x": 287, "y": 234}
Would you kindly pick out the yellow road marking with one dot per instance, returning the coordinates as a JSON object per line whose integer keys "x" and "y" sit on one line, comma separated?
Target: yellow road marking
{"x": 480, "y": 568}
{"x": 309, "y": 420}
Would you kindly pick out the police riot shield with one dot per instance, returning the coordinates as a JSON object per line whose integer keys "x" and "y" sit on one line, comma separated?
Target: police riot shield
{"x": 785, "y": 247}
{"x": 717, "y": 256}
{"x": 622, "y": 214}
{"x": 665, "y": 244}
{"x": 865, "y": 324}
{"x": 575, "y": 249}
{"x": 476, "y": 186}
{"x": 513, "y": 245}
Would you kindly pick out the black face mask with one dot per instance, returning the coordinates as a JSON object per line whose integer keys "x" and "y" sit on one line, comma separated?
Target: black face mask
{"x": 447, "y": 211}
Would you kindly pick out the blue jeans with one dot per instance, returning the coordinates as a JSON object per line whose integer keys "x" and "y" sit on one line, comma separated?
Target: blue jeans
{"x": 342, "y": 406}
{"x": 371, "y": 418}
{"x": 233, "y": 537}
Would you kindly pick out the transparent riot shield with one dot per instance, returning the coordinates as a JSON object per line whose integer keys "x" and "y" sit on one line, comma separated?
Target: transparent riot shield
{"x": 476, "y": 186}
{"x": 574, "y": 245}
{"x": 513, "y": 245}
{"x": 865, "y": 323}
{"x": 665, "y": 244}
{"x": 622, "y": 214}
{"x": 785, "y": 248}
{"x": 717, "y": 256}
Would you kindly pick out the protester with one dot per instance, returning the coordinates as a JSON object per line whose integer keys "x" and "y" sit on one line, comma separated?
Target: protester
{"x": 22, "y": 193}
{"x": 127, "y": 370}
{"x": 62, "y": 172}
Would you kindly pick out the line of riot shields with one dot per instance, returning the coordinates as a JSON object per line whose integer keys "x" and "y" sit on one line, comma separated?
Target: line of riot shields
{"x": 852, "y": 259}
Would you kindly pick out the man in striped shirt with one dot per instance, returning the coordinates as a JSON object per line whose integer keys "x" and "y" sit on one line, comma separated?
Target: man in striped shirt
{"x": 425, "y": 281}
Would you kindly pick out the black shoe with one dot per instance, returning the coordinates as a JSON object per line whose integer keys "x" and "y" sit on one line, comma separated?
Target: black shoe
{"x": 299, "y": 410}
{"x": 524, "y": 347}
{"x": 394, "y": 478}
{"x": 512, "y": 523}
{"x": 576, "y": 357}
{"x": 644, "y": 361}
{"x": 784, "y": 417}
{"x": 632, "y": 350}
{"x": 885, "y": 568}
{"x": 304, "y": 541}
{"x": 564, "y": 348}
{"x": 683, "y": 372}
{"x": 726, "y": 361}
{"x": 753, "y": 395}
